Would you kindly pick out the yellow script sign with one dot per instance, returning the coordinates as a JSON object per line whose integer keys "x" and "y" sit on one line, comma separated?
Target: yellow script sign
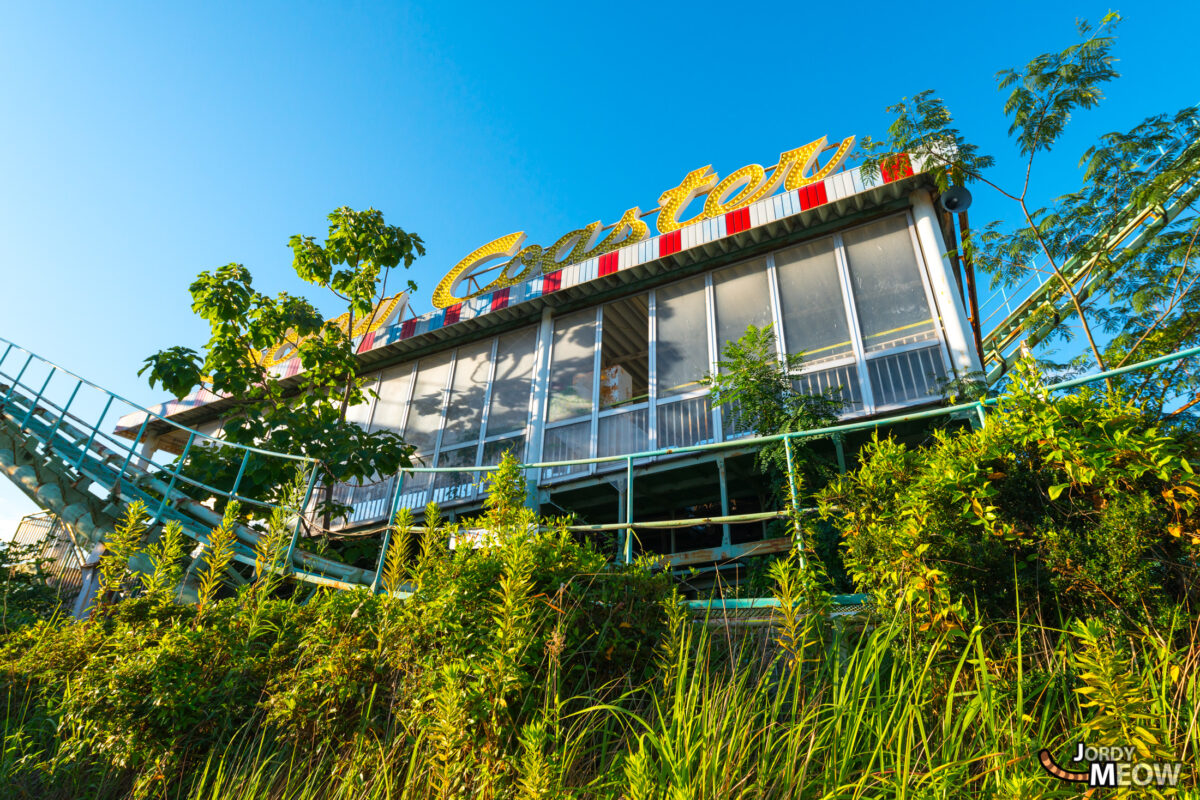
{"x": 740, "y": 188}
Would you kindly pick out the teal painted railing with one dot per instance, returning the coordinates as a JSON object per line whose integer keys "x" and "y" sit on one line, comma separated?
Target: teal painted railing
{"x": 80, "y": 442}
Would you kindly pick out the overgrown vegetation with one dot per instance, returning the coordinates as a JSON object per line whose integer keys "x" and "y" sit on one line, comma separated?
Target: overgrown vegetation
{"x": 1077, "y": 507}
{"x": 1035, "y": 582}
{"x": 521, "y": 664}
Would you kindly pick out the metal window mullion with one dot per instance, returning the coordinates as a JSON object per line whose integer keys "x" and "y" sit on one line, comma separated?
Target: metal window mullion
{"x": 437, "y": 442}
{"x": 535, "y": 419}
{"x": 373, "y": 401}
{"x": 924, "y": 344}
{"x": 612, "y": 412}
{"x": 487, "y": 406}
{"x": 409, "y": 392}
{"x": 923, "y": 270}
{"x": 821, "y": 366}
{"x": 710, "y": 312}
{"x": 593, "y": 446}
{"x": 652, "y": 369}
{"x": 776, "y": 310}
{"x": 856, "y": 342}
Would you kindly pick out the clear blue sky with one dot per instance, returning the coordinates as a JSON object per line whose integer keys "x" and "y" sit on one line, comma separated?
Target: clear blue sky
{"x": 143, "y": 143}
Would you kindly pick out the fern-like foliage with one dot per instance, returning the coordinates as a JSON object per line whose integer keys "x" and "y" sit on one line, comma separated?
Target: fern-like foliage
{"x": 218, "y": 557}
{"x": 398, "y": 551}
{"x": 166, "y": 556}
{"x": 121, "y": 546}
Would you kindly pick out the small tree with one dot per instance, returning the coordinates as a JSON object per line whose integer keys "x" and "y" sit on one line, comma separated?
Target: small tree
{"x": 307, "y": 417}
{"x": 1151, "y": 288}
{"x": 754, "y": 385}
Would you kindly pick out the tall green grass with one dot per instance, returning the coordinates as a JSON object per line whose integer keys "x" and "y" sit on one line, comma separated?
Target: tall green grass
{"x": 843, "y": 712}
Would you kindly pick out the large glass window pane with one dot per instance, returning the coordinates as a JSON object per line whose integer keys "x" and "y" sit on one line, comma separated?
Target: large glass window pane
{"x": 888, "y": 292}
{"x": 743, "y": 299}
{"x": 906, "y": 377}
{"x": 572, "y": 363}
{"x": 494, "y": 451}
{"x": 685, "y": 422}
{"x": 843, "y": 381}
{"x": 454, "y": 485}
{"x": 515, "y": 354}
{"x": 393, "y": 396}
{"x": 810, "y": 293}
{"x": 625, "y": 352}
{"x": 467, "y": 394}
{"x": 361, "y": 414}
{"x": 621, "y": 434}
{"x": 425, "y": 415}
{"x": 681, "y": 341}
{"x": 567, "y": 443}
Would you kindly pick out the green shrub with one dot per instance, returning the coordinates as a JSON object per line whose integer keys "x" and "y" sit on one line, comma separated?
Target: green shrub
{"x": 1090, "y": 505}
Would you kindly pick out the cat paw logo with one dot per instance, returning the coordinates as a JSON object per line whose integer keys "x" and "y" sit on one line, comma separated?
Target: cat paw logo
{"x": 1112, "y": 767}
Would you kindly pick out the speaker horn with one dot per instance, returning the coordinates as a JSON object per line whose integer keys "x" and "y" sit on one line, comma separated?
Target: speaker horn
{"x": 955, "y": 199}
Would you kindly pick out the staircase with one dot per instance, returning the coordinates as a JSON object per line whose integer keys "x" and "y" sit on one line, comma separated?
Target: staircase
{"x": 57, "y": 449}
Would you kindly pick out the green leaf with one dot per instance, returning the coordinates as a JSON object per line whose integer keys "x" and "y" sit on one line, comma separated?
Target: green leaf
{"x": 1057, "y": 489}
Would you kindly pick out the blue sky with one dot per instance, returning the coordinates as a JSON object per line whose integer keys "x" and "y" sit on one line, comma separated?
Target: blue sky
{"x": 143, "y": 143}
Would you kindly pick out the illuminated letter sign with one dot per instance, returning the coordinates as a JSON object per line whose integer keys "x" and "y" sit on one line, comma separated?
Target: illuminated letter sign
{"x": 796, "y": 168}
{"x": 384, "y": 314}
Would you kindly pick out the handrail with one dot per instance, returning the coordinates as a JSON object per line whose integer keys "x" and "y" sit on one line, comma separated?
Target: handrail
{"x": 222, "y": 442}
{"x": 742, "y": 442}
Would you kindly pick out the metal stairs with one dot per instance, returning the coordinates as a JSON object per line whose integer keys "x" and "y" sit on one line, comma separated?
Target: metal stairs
{"x": 87, "y": 477}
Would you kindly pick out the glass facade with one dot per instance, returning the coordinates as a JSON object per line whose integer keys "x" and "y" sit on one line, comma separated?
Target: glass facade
{"x": 625, "y": 376}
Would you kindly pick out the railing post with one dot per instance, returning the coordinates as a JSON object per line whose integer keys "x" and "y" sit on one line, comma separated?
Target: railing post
{"x": 95, "y": 429}
{"x": 17, "y": 380}
{"x": 628, "y": 554}
{"x": 132, "y": 449}
{"x": 63, "y": 415}
{"x": 37, "y": 398}
{"x": 839, "y": 447}
{"x": 312, "y": 482}
{"x": 174, "y": 476}
{"x": 238, "y": 480}
{"x": 982, "y": 416}
{"x": 797, "y": 532}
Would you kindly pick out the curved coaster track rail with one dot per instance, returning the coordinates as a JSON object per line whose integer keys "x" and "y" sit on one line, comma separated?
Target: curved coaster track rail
{"x": 1012, "y": 312}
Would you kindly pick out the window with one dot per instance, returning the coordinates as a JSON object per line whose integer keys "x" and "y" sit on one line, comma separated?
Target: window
{"x": 467, "y": 394}
{"x": 681, "y": 357}
{"x": 425, "y": 415}
{"x": 625, "y": 352}
{"x": 515, "y": 355}
{"x": 810, "y": 294}
{"x": 743, "y": 299}
{"x": 393, "y": 398}
{"x": 572, "y": 363}
{"x": 888, "y": 291}
{"x": 361, "y": 414}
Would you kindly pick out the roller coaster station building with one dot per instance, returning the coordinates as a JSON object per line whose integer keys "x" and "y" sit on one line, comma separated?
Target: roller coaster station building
{"x": 594, "y": 347}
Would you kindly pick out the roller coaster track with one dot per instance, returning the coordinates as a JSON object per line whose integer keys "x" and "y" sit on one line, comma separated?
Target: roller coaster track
{"x": 1043, "y": 296}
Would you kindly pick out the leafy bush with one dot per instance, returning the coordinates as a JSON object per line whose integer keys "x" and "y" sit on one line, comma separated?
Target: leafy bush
{"x": 1088, "y": 503}
{"x": 466, "y": 655}
{"x": 24, "y": 594}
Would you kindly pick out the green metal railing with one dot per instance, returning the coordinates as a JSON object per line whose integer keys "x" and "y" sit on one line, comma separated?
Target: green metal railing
{"x": 89, "y": 451}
